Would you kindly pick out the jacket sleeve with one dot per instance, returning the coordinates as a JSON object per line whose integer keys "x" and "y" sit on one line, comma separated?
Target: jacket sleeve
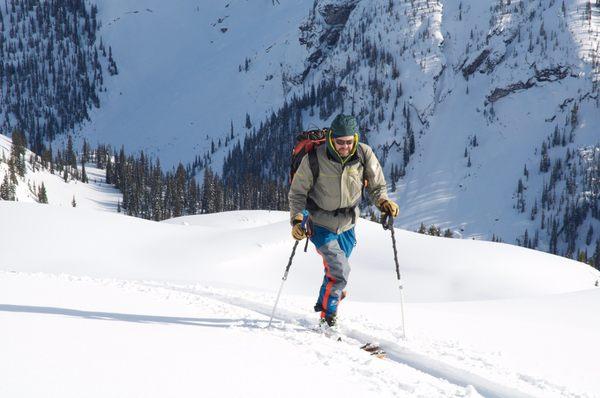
{"x": 376, "y": 185}
{"x": 301, "y": 185}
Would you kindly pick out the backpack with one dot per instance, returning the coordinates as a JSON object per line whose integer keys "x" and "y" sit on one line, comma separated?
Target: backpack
{"x": 306, "y": 143}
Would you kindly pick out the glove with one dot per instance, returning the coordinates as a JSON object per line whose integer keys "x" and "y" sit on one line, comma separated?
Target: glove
{"x": 297, "y": 231}
{"x": 389, "y": 207}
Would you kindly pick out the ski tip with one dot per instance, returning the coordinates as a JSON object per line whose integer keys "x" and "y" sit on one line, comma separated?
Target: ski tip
{"x": 374, "y": 350}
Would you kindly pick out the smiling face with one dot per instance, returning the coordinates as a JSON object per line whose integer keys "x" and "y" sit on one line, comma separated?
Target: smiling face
{"x": 343, "y": 145}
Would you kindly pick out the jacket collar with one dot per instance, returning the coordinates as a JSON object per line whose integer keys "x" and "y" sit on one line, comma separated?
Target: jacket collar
{"x": 335, "y": 157}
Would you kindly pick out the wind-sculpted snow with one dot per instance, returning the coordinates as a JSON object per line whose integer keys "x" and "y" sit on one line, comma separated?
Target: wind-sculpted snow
{"x": 243, "y": 248}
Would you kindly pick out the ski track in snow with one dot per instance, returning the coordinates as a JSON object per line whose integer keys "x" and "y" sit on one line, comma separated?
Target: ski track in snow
{"x": 250, "y": 311}
{"x": 396, "y": 352}
{"x": 235, "y": 313}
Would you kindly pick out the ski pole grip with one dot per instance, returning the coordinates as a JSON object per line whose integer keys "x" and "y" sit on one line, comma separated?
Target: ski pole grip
{"x": 387, "y": 221}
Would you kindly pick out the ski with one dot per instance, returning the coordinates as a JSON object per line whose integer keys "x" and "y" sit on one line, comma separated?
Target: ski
{"x": 374, "y": 349}
{"x": 332, "y": 333}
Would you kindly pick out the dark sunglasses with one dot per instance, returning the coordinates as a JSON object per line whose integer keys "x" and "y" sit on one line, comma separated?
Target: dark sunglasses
{"x": 344, "y": 142}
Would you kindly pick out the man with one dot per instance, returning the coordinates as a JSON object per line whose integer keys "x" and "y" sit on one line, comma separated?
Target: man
{"x": 326, "y": 208}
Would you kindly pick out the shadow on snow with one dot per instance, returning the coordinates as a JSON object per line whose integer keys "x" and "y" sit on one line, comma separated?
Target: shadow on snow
{"x": 137, "y": 318}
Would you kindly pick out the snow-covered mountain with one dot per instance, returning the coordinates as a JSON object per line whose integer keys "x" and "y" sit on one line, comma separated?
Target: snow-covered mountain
{"x": 481, "y": 86}
{"x": 457, "y": 98}
{"x": 190, "y": 71}
{"x": 130, "y": 307}
{"x": 53, "y": 67}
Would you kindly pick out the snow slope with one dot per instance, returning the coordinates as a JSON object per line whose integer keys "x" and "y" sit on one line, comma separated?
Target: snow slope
{"x": 179, "y": 84}
{"x": 134, "y": 307}
{"x": 95, "y": 195}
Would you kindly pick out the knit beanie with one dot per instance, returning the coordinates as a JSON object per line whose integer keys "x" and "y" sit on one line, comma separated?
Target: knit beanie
{"x": 344, "y": 125}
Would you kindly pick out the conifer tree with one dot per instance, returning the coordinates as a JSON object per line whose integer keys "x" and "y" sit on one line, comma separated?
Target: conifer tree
{"x": 554, "y": 238}
{"x": 85, "y": 157}
{"x": 179, "y": 194}
{"x": 192, "y": 197}
{"x": 590, "y": 234}
{"x": 597, "y": 255}
{"x": 109, "y": 171}
{"x": 7, "y": 189}
{"x": 433, "y": 231}
{"x": 42, "y": 195}
{"x": 84, "y": 177}
{"x": 545, "y": 161}
{"x": 70, "y": 155}
{"x": 19, "y": 144}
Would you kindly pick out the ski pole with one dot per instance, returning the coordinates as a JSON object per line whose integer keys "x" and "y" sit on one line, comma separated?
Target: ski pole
{"x": 285, "y": 275}
{"x": 388, "y": 223}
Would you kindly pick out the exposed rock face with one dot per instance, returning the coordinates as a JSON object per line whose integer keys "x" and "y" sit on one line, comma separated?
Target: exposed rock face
{"x": 322, "y": 29}
{"x": 473, "y": 66}
{"x": 337, "y": 14}
{"x": 511, "y": 88}
{"x": 544, "y": 75}
{"x": 316, "y": 57}
{"x": 552, "y": 74}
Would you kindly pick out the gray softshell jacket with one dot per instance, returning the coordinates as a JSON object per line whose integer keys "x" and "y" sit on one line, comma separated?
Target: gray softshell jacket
{"x": 337, "y": 186}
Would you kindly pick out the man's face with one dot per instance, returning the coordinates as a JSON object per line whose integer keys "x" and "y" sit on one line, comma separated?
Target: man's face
{"x": 344, "y": 145}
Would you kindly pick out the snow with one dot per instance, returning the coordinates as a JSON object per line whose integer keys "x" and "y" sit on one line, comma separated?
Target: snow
{"x": 95, "y": 303}
{"x": 95, "y": 195}
{"x": 179, "y": 85}
{"x": 137, "y": 308}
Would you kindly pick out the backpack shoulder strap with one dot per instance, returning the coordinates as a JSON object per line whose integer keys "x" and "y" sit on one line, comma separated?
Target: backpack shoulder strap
{"x": 360, "y": 152}
{"x": 314, "y": 164}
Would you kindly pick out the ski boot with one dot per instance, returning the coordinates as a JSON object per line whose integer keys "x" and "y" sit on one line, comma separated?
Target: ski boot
{"x": 328, "y": 326}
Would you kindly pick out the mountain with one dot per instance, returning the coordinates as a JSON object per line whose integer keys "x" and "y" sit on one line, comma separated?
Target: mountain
{"x": 483, "y": 113}
{"x": 190, "y": 72}
{"x": 134, "y": 307}
{"x": 53, "y": 67}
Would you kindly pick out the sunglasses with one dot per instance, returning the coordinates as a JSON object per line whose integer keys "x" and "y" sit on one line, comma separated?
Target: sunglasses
{"x": 344, "y": 142}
